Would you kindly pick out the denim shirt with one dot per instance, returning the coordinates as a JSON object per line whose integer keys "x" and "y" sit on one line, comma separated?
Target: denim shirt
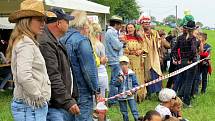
{"x": 82, "y": 61}
{"x": 113, "y": 46}
{"x": 129, "y": 82}
{"x": 207, "y": 48}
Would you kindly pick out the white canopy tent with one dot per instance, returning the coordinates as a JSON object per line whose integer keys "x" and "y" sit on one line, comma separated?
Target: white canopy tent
{"x": 79, "y": 5}
{"x": 8, "y": 6}
{"x": 83, "y": 5}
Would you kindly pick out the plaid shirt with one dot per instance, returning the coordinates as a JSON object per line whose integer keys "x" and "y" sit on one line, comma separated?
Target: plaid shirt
{"x": 185, "y": 49}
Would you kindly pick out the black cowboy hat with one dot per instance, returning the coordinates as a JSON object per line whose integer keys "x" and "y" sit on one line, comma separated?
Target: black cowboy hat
{"x": 190, "y": 25}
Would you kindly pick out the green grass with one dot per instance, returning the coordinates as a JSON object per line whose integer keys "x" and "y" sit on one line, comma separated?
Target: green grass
{"x": 203, "y": 106}
{"x": 5, "y": 111}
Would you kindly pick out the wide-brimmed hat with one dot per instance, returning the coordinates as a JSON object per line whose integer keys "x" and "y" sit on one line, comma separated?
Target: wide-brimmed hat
{"x": 191, "y": 25}
{"x": 116, "y": 19}
{"x": 28, "y": 8}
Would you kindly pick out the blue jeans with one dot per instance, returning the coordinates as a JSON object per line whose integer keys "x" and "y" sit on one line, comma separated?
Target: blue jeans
{"x": 59, "y": 114}
{"x": 171, "y": 80}
{"x": 187, "y": 82}
{"x": 154, "y": 87}
{"x": 179, "y": 78}
{"x": 23, "y": 112}
{"x": 178, "y": 82}
{"x": 124, "y": 110}
{"x": 196, "y": 82}
{"x": 112, "y": 88}
{"x": 85, "y": 103}
{"x": 204, "y": 72}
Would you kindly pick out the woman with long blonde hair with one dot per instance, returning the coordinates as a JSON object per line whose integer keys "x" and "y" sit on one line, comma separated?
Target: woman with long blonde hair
{"x": 32, "y": 86}
{"x": 94, "y": 36}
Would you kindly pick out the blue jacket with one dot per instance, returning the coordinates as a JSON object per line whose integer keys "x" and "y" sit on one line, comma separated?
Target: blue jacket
{"x": 129, "y": 82}
{"x": 82, "y": 61}
{"x": 113, "y": 46}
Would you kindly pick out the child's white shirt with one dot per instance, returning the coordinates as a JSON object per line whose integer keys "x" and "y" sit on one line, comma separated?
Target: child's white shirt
{"x": 163, "y": 110}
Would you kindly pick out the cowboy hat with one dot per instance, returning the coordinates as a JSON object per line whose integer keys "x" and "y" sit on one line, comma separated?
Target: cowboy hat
{"x": 116, "y": 19}
{"x": 191, "y": 25}
{"x": 28, "y": 8}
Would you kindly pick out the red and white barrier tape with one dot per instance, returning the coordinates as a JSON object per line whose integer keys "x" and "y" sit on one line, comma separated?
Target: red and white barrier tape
{"x": 157, "y": 80}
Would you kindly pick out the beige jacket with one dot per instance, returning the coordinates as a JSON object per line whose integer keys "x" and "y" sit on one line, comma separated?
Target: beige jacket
{"x": 32, "y": 84}
{"x": 150, "y": 47}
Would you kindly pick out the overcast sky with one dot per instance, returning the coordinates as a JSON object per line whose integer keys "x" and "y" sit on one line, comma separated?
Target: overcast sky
{"x": 202, "y": 10}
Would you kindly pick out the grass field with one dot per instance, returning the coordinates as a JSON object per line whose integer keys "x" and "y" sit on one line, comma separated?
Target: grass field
{"x": 203, "y": 105}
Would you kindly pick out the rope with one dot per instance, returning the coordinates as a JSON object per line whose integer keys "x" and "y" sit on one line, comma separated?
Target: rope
{"x": 157, "y": 80}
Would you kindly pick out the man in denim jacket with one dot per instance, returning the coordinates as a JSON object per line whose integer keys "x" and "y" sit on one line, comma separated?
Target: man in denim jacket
{"x": 113, "y": 48}
{"x": 82, "y": 63}
{"x": 126, "y": 80}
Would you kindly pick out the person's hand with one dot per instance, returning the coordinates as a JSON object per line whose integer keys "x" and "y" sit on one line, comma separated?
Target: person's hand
{"x": 103, "y": 60}
{"x": 122, "y": 38}
{"x": 74, "y": 109}
{"x": 8, "y": 62}
{"x": 140, "y": 33}
{"x": 174, "y": 62}
{"x": 120, "y": 78}
{"x": 179, "y": 62}
{"x": 133, "y": 92}
{"x": 180, "y": 115}
{"x": 189, "y": 62}
{"x": 129, "y": 93}
{"x": 99, "y": 98}
{"x": 139, "y": 52}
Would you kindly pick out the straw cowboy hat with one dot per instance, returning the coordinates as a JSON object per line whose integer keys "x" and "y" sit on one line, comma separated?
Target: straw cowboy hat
{"x": 28, "y": 8}
{"x": 116, "y": 19}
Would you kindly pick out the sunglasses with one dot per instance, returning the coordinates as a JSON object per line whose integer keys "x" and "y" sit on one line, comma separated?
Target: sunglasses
{"x": 174, "y": 98}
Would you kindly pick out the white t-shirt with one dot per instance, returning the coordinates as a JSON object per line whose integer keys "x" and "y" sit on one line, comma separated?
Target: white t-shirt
{"x": 163, "y": 110}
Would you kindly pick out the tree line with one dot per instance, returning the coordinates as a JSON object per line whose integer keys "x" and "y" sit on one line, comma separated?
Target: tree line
{"x": 129, "y": 10}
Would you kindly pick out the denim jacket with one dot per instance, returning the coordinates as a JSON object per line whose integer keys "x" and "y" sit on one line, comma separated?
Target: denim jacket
{"x": 113, "y": 46}
{"x": 129, "y": 82}
{"x": 82, "y": 61}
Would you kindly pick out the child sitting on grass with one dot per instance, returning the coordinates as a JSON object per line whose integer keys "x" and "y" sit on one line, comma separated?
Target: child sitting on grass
{"x": 176, "y": 109}
{"x": 167, "y": 98}
{"x": 126, "y": 80}
{"x": 151, "y": 115}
